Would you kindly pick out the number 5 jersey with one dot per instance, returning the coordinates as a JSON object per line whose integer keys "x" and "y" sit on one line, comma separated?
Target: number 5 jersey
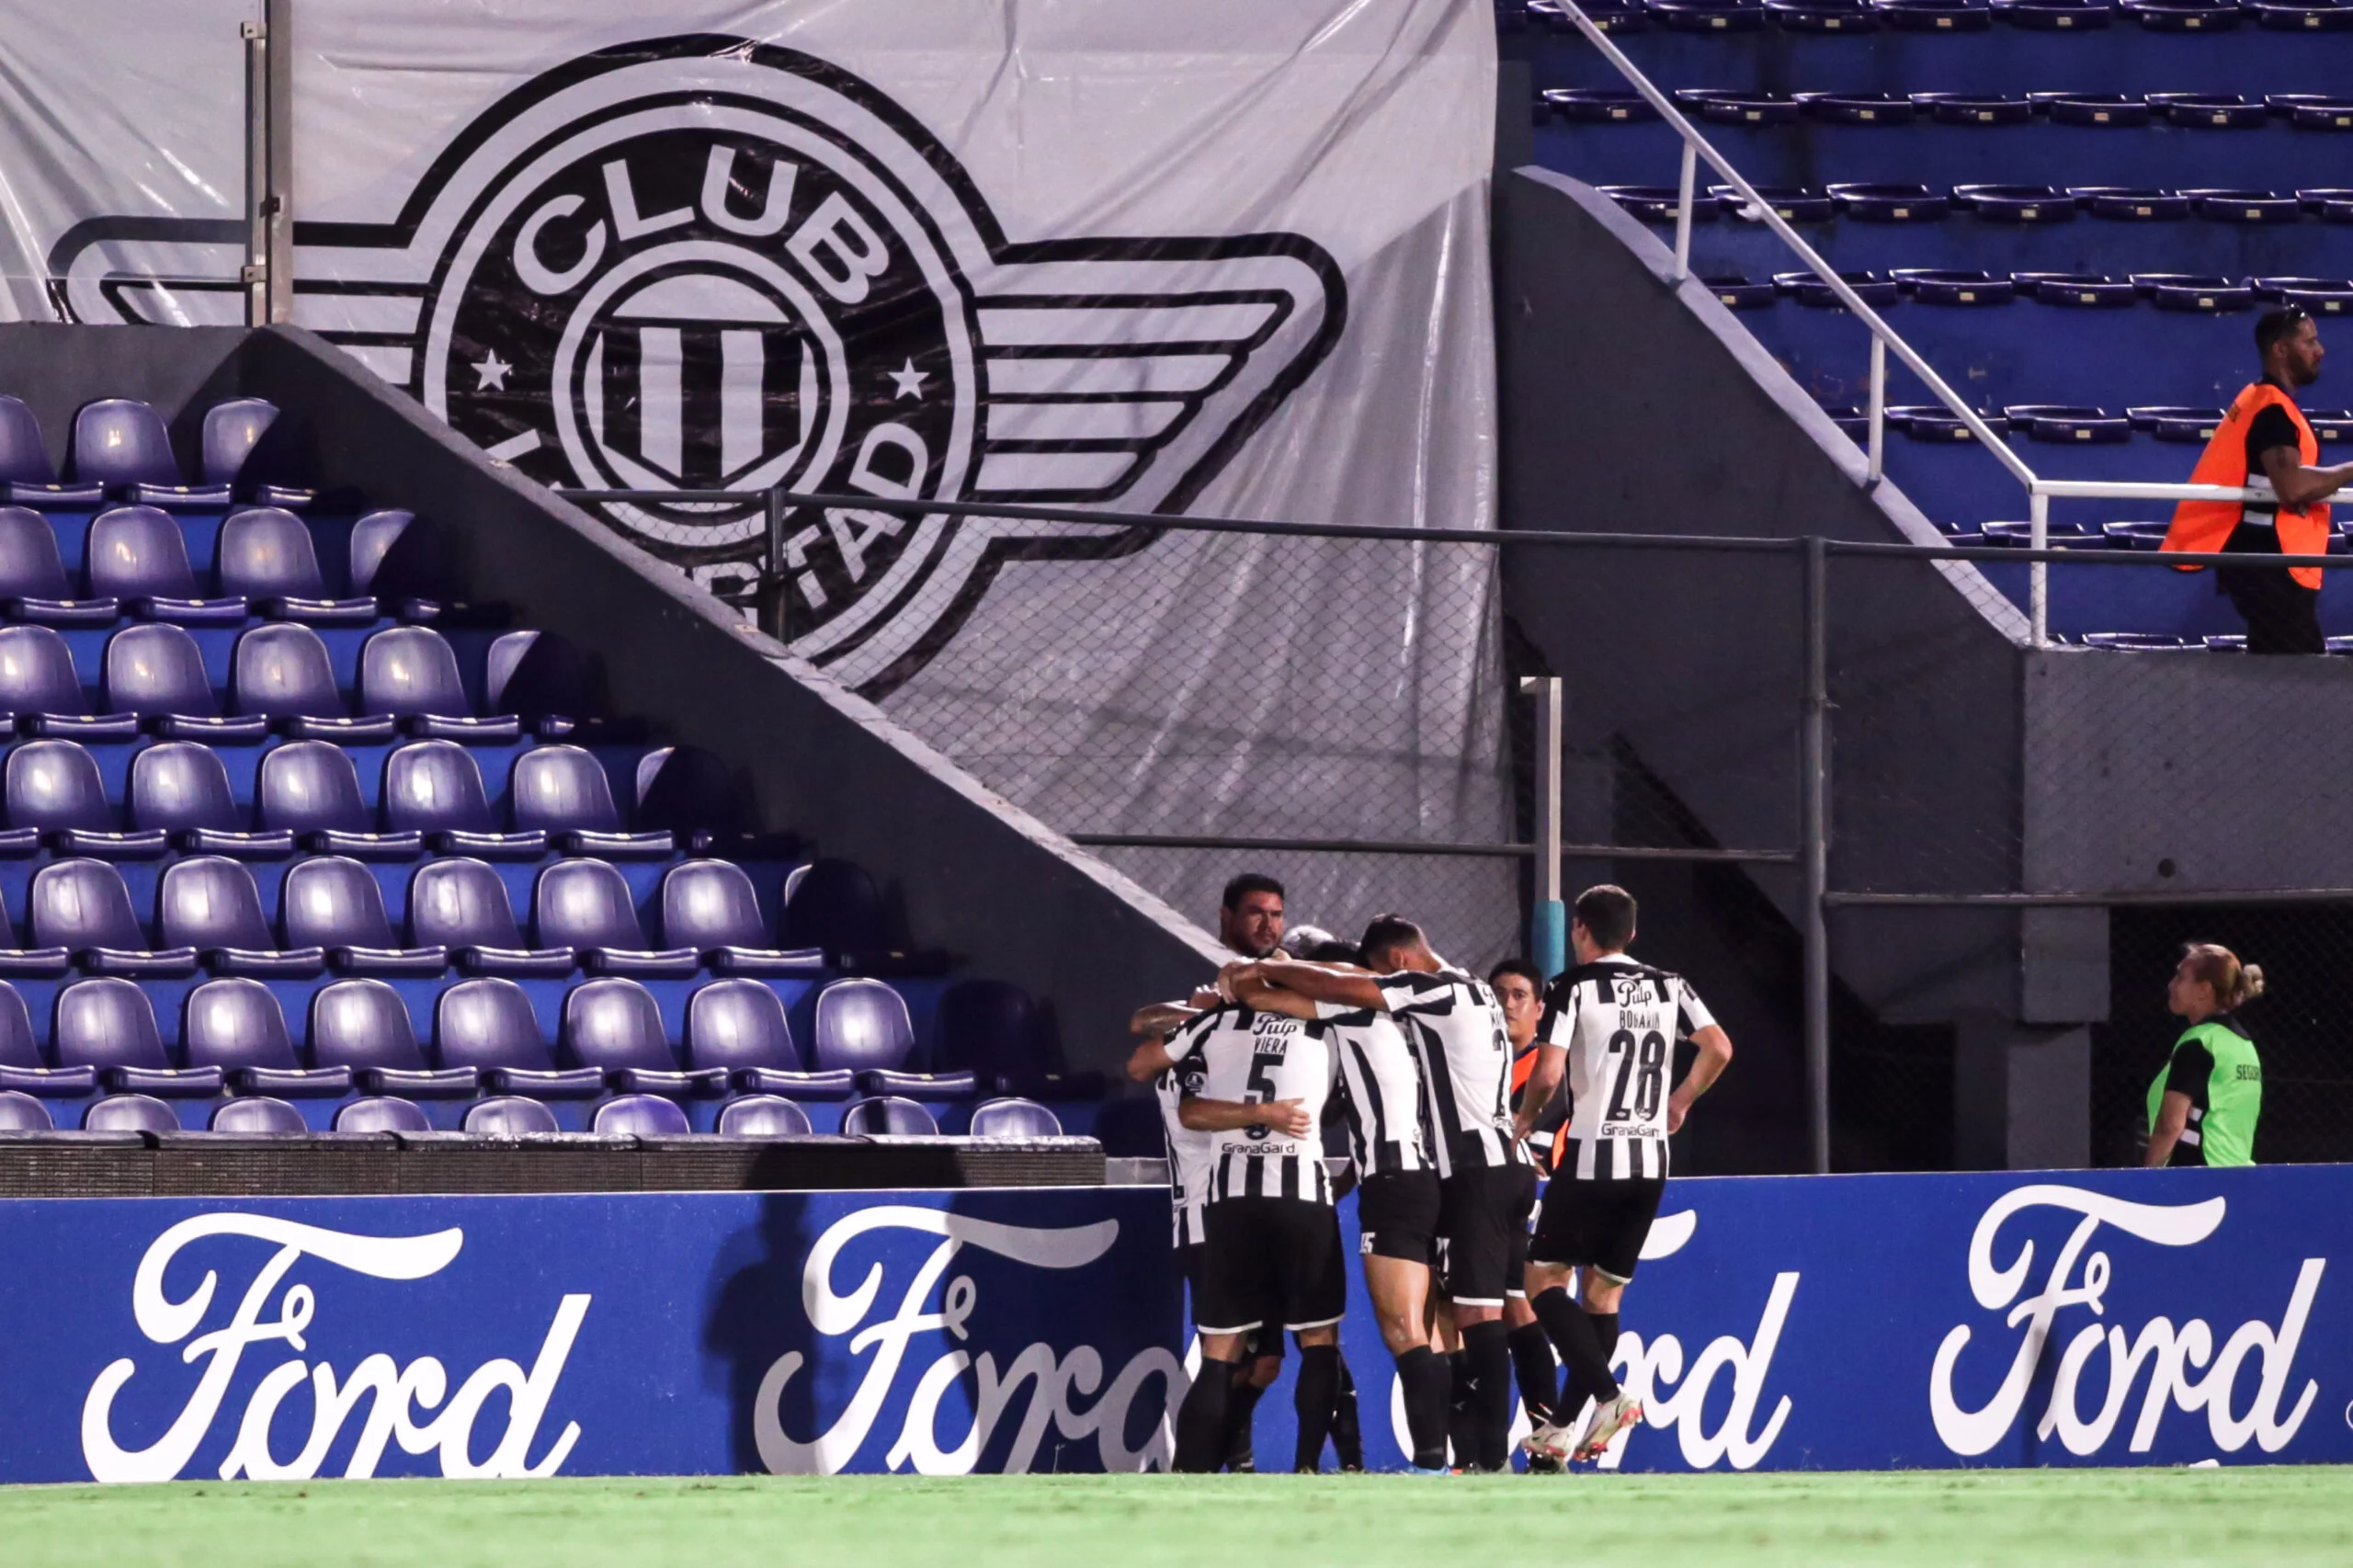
{"x": 1620, "y": 1021}
{"x": 1242, "y": 1055}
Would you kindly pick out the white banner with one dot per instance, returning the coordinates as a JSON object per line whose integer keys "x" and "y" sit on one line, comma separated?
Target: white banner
{"x": 1225, "y": 258}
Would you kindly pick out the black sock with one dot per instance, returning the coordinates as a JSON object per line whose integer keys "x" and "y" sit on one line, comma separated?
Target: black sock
{"x": 1490, "y": 1353}
{"x": 1460, "y": 1431}
{"x": 1428, "y": 1383}
{"x": 1605, "y": 1329}
{"x": 1312, "y": 1397}
{"x": 1575, "y": 1337}
{"x": 1241, "y": 1409}
{"x": 1539, "y": 1373}
{"x": 1201, "y": 1420}
{"x": 1347, "y": 1426}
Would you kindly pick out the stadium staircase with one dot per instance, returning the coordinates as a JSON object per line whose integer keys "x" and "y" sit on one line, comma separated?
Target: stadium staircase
{"x": 352, "y": 784}
{"x": 1964, "y": 760}
{"x": 2071, "y": 210}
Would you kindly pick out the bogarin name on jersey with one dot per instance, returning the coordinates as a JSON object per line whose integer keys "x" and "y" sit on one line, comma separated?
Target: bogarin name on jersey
{"x": 1619, "y": 1022}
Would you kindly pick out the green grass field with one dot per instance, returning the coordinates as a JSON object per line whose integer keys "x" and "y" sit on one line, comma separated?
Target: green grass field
{"x": 2255, "y": 1517}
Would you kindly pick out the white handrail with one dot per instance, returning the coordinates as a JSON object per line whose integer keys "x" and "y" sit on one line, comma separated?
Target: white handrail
{"x": 2040, "y": 492}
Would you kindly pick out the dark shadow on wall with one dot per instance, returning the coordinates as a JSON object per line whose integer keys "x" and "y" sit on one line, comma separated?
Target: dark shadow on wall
{"x": 756, "y": 1317}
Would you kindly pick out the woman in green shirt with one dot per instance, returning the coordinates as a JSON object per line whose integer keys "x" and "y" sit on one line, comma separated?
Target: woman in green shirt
{"x": 2203, "y": 1106}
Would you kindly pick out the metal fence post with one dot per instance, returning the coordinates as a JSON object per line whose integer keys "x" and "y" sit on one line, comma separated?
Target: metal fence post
{"x": 1814, "y": 857}
{"x": 1683, "y": 213}
{"x": 1548, "y": 930}
{"x": 269, "y": 272}
{"x": 1878, "y": 435}
{"x": 775, "y": 599}
{"x": 2039, "y": 575}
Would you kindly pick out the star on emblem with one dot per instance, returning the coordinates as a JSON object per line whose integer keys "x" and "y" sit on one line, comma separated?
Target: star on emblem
{"x": 908, "y": 380}
{"x": 491, "y": 373}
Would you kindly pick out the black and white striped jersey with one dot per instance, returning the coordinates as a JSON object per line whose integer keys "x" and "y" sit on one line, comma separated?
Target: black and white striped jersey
{"x": 1381, "y": 1089}
{"x": 1189, "y": 1151}
{"x": 1620, "y": 1021}
{"x": 1247, "y": 1055}
{"x": 1456, "y": 1028}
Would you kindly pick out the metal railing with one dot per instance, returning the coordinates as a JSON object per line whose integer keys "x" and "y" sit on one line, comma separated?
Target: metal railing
{"x": 2041, "y": 491}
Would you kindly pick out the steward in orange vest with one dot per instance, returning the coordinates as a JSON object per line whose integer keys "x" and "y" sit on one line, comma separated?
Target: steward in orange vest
{"x": 2265, "y": 436}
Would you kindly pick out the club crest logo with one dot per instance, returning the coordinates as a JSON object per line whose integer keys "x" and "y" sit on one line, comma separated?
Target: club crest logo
{"x": 707, "y": 263}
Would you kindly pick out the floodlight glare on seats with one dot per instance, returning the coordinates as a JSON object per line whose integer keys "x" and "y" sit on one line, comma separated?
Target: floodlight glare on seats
{"x": 585, "y": 905}
{"x": 334, "y": 903}
{"x": 120, "y": 443}
{"x": 53, "y": 789}
{"x": 615, "y": 1026}
{"x": 888, "y": 1116}
{"x": 138, "y": 555}
{"x": 33, "y": 584}
{"x": 129, "y": 1113}
{"x": 237, "y": 1025}
{"x": 364, "y": 1026}
{"x": 763, "y": 1115}
{"x": 739, "y": 1025}
{"x": 381, "y": 1113}
{"x": 460, "y": 904}
{"x": 82, "y": 906}
{"x": 22, "y": 1068}
{"x": 41, "y": 693}
{"x": 210, "y": 902}
{"x": 488, "y": 1025}
{"x": 259, "y": 1116}
{"x": 20, "y": 1112}
{"x": 26, "y": 472}
{"x": 1015, "y": 1118}
{"x": 643, "y": 1116}
{"x": 562, "y": 790}
{"x": 182, "y": 789}
{"x": 266, "y": 555}
{"x": 435, "y": 787}
{"x": 411, "y": 673}
{"x": 108, "y": 1024}
{"x": 509, "y": 1115}
{"x": 710, "y": 905}
{"x": 309, "y": 789}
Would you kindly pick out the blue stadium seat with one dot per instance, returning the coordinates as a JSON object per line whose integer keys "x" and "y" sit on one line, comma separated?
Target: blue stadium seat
{"x": 210, "y": 902}
{"x": 21, "y": 1066}
{"x": 138, "y": 555}
{"x": 309, "y": 789}
{"x": 381, "y": 1113}
{"x": 238, "y": 1026}
{"x": 333, "y": 901}
{"x": 562, "y": 790}
{"x": 182, "y": 789}
{"x": 83, "y": 908}
{"x": 435, "y": 788}
{"x": 33, "y": 585}
{"x": 259, "y": 1116}
{"x": 709, "y": 906}
{"x": 739, "y": 1026}
{"x": 20, "y": 1112}
{"x": 234, "y": 434}
{"x": 397, "y": 556}
{"x": 129, "y": 1113}
{"x": 281, "y": 672}
{"x": 1015, "y": 1118}
{"x": 835, "y": 905}
{"x": 42, "y": 694}
{"x": 862, "y": 1024}
{"x": 540, "y": 678}
{"x": 586, "y": 906}
{"x": 53, "y": 790}
{"x": 108, "y": 1024}
{"x": 687, "y": 791}
{"x": 364, "y": 1026}
{"x": 26, "y": 472}
{"x": 411, "y": 673}
{"x": 488, "y": 1025}
{"x": 615, "y": 1027}
{"x": 888, "y": 1116}
{"x": 155, "y": 673}
{"x": 462, "y": 904}
{"x": 643, "y": 1116}
{"x": 120, "y": 443}
{"x": 763, "y": 1115}
{"x": 509, "y": 1116}
{"x": 266, "y": 555}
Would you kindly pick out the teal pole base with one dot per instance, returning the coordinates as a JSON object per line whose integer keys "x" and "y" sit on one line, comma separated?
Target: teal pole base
{"x": 1548, "y": 935}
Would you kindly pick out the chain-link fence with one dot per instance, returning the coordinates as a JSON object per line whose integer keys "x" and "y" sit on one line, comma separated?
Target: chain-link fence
{"x": 1994, "y": 831}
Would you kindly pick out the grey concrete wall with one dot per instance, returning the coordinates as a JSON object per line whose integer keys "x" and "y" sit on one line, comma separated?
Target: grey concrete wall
{"x": 1635, "y": 405}
{"x": 1007, "y": 895}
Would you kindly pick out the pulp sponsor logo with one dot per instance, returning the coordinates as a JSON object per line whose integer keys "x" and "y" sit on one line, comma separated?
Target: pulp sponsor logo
{"x": 2173, "y": 1366}
{"x": 1067, "y": 1390}
{"x": 409, "y": 1404}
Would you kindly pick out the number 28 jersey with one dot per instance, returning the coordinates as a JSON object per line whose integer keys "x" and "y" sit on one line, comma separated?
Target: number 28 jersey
{"x": 1239, "y": 1053}
{"x": 1619, "y": 1022}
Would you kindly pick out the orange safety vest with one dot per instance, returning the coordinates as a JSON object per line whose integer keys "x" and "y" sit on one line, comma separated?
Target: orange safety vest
{"x": 2203, "y": 526}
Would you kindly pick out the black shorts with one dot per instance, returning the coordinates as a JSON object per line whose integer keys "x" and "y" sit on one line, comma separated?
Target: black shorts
{"x": 1397, "y": 1216}
{"x": 1271, "y": 1261}
{"x": 1599, "y": 1223}
{"x": 1482, "y": 1232}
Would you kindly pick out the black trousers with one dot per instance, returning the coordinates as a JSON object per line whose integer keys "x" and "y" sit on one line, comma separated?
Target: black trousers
{"x": 2282, "y": 616}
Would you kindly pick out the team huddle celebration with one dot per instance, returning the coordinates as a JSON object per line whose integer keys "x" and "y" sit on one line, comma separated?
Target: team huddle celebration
{"x": 1458, "y": 1098}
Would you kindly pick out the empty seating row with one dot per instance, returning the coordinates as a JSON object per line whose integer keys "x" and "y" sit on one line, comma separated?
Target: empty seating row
{"x": 136, "y": 560}
{"x": 486, "y": 1037}
{"x": 307, "y": 795}
{"x": 281, "y": 680}
{"x": 2072, "y": 423}
{"x": 1898, "y": 202}
{"x": 121, "y": 448}
{"x": 511, "y": 1116}
{"x": 1740, "y": 106}
{"x": 332, "y": 916}
{"x": 1947, "y": 17}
